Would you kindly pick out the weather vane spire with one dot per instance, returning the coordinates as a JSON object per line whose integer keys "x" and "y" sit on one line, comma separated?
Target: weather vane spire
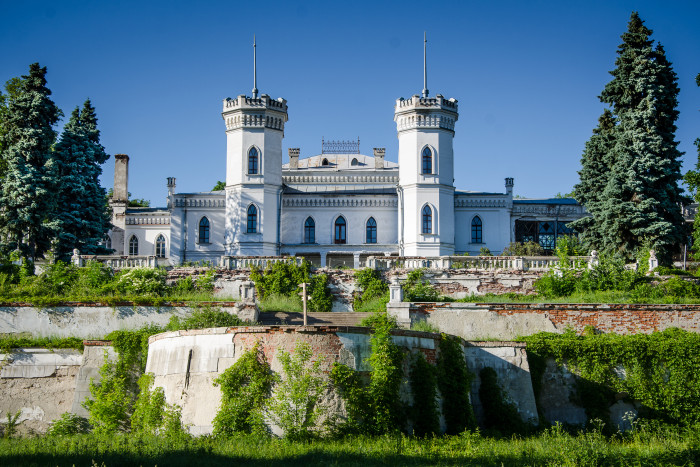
{"x": 425, "y": 64}
{"x": 255, "y": 70}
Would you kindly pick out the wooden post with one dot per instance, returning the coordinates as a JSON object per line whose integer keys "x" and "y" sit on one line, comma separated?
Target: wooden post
{"x": 303, "y": 296}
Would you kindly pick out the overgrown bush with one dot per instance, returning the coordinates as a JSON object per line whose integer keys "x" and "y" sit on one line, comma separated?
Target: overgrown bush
{"x": 374, "y": 292}
{"x": 295, "y": 406}
{"x": 417, "y": 289}
{"x": 206, "y": 317}
{"x": 245, "y": 387}
{"x": 142, "y": 281}
{"x": 284, "y": 279}
{"x": 68, "y": 424}
{"x": 152, "y": 414}
{"x": 523, "y": 249}
{"x": 424, "y": 411}
{"x": 454, "y": 381}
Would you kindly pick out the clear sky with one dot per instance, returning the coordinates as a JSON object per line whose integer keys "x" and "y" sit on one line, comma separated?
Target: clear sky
{"x": 526, "y": 74}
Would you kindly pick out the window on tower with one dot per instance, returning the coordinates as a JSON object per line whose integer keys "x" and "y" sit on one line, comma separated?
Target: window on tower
{"x": 252, "y": 219}
{"x": 427, "y": 220}
{"x": 253, "y": 161}
{"x": 427, "y": 161}
{"x": 133, "y": 246}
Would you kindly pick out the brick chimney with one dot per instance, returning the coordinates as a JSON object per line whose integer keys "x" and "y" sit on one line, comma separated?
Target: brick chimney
{"x": 293, "y": 158}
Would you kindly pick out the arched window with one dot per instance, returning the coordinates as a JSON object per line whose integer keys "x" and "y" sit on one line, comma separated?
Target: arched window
{"x": 133, "y": 246}
{"x": 252, "y": 219}
{"x": 477, "y": 230}
{"x": 160, "y": 246}
{"x": 427, "y": 161}
{"x": 340, "y": 230}
{"x": 427, "y": 220}
{"x": 253, "y": 161}
{"x": 324, "y": 162}
{"x": 371, "y": 231}
{"x": 354, "y": 161}
{"x": 309, "y": 231}
{"x": 204, "y": 230}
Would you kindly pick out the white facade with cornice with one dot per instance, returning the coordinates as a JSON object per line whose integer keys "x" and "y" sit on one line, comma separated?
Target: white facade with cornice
{"x": 338, "y": 207}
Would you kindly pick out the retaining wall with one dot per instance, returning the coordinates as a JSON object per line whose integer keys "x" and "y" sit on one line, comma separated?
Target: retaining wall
{"x": 507, "y": 321}
{"x": 186, "y": 363}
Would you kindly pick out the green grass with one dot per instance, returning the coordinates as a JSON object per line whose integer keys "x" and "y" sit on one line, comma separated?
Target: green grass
{"x": 552, "y": 447}
{"x": 281, "y": 303}
{"x": 9, "y": 342}
{"x": 608, "y": 296}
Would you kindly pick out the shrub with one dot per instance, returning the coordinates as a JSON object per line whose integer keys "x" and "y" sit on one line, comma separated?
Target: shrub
{"x": 93, "y": 279}
{"x": 372, "y": 290}
{"x": 110, "y": 405}
{"x": 523, "y": 249}
{"x": 295, "y": 405}
{"x": 424, "y": 411}
{"x": 416, "y": 289}
{"x": 499, "y": 413}
{"x": 142, "y": 281}
{"x": 245, "y": 387}
{"x": 68, "y": 424}
{"x": 454, "y": 382}
{"x": 284, "y": 279}
{"x": 206, "y": 318}
{"x": 424, "y": 326}
{"x": 483, "y": 251}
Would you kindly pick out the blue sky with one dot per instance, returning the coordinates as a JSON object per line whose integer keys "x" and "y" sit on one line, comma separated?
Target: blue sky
{"x": 526, "y": 74}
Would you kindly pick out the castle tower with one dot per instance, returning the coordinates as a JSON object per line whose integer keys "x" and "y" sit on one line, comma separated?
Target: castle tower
{"x": 425, "y": 127}
{"x": 254, "y": 132}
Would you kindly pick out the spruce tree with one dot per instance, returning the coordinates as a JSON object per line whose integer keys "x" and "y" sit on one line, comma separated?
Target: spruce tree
{"x": 81, "y": 217}
{"x": 26, "y": 195}
{"x": 692, "y": 179}
{"x": 594, "y": 177}
{"x": 640, "y": 203}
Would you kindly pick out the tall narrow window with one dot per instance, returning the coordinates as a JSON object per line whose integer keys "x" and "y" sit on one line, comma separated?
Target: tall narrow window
{"x": 252, "y": 219}
{"x": 133, "y": 246}
{"x": 340, "y": 230}
{"x": 204, "y": 230}
{"x": 427, "y": 161}
{"x": 427, "y": 220}
{"x": 371, "y": 235}
{"x": 476, "y": 230}
{"x": 309, "y": 231}
{"x": 160, "y": 246}
{"x": 252, "y": 161}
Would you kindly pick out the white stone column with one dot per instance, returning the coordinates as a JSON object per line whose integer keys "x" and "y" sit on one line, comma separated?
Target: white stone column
{"x": 356, "y": 260}
{"x": 323, "y": 259}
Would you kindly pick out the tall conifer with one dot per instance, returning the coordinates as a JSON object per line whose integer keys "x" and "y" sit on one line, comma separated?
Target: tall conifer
{"x": 640, "y": 202}
{"x": 82, "y": 221}
{"x": 26, "y": 196}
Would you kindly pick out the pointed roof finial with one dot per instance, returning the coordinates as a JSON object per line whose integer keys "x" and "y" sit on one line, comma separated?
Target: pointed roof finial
{"x": 425, "y": 64}
{"x": 255, "y": 70}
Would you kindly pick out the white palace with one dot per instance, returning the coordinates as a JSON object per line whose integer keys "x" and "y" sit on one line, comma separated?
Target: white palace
{"x": 337, "y": 207}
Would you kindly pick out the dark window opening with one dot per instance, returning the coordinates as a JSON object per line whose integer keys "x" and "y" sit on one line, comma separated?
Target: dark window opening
{"x": 252, "y": 219}
{"x": 371, "y": 236}
{"x": 309, "y": 231}
{"x": 340, "y": 230}
{"x": 427, "y": 220}
{"x": 477, "y": 230}
{"x": 204, "y": 230}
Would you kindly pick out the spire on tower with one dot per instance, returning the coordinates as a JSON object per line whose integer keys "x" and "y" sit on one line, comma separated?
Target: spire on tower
{"x": 255, "y": 70}
{"x": 425, "y": 65}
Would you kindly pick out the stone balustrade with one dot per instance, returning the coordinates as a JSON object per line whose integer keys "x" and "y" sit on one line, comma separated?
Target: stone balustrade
{"x": 121, "y": 262}
{"x": 248, "y": 262}
{"x": 488, "y": 263}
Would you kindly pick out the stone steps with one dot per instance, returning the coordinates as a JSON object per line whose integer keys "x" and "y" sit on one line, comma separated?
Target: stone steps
{"x": 313, "y": 319}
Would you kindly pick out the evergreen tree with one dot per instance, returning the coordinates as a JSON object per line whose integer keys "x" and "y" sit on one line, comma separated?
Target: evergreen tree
{"x": 81, "y": 218}
{"x": 26, "y": 196}
{"x": 594, "y": 177}
{"x": 692, "y": 179}
{"x": 640, "y": 202}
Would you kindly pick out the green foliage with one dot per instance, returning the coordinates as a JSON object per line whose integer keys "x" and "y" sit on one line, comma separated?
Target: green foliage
{"x": 206, "y": 317}
{"x": 523, "y": 249}
{"x": 295, "y": 406}
{"x": 424, "y": 411}
{"x": 9, "y": 342}
{"x": 245, "y": 387}
{"x": 631, "y": 167}
{"x": 139, "y": 202}
{"x": 661, "y": 370}
{"x": 569, "y": 245}
{"x": 416, "y": 289}
{"x": 374, "y": 408}
{"x": 454, "y": 382}
{"x": 379, "y": 319}
{"x": 219, "y": 186}
{"x": 205, "y": 282}
{"x": 111, "y": 400}
{"x": 69, "y": 424}
{"x": 27, "y": 192}
{"x": 10, "y": 428}
{"x": 374, "y": 292}
{"x": 274, "y": 302}
{"x": 284, "y": 279}
{"x": 152, "y": 414}
{"x": 142, "y": 281}
{"x": 424, "y": 326}
{"x": 499, "y": 413}
{"x": 483, "y": 251}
